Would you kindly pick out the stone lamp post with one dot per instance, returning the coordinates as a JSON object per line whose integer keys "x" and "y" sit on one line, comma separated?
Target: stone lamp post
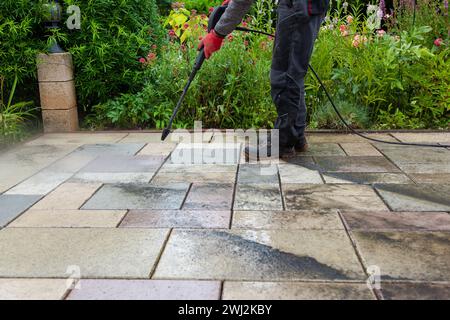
{"x": 56, "y": 82}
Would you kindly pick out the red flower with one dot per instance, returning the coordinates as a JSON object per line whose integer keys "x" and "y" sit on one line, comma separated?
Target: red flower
{"x": 142, "y": 60}
{"x": 172, "y": 33}
{"x": 154, "y": 47}
{"x": 211, "y": 9}
{"x": 151, "y": 56}
{"x": 185, "y": 26}
{"x": 438, "y": 42}
{"x": 230, "y": 37}
{"x": 246, "y": 43}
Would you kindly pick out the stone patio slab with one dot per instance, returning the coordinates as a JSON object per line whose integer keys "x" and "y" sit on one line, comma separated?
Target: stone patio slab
{"x": 163, "y": 177}
{"x": 415, "y": 291}
{"x": 40, "y": 184}
{"x": 209, "y": 196}
{"x": 292, "y": 173}
{"x": 234, "y": 290}
{"x": 146, "y": 290}
{"x": 324, "y": 149}
{"x": 332, "y": 196}
{"x": 111, "y": 149}
{"x": 77, "y": 138}
{"x": 122, "y": 163}
{"x": 112, "y": 177}
{"x": 355, "y": 164}
{"x": 207, "y": 219}
{"x": 138, "y": 196}
{"x": 206, "y": 153}
{"x": 11, "y": 206}
{"x": 258, "y": 174}
{"x": 434, "y": 178}
{"x": 408, "y": 197}
{"x": 22, "y": 162}
{"x": 365, "y": 178}
{"x": 101, "y": 253}
{"x": 287, "y": 220}
{"x": 259, "y": 255}
{"x": 157, "y": 149}
{"x": 68, "y": 196}
{"x": 258, "y": 197}
{"x": 69, "y": 219}
{"x": 178, "y": 137}
{"x": 407, "y": 255}
{"x": 345, "y": 138}
{"x": 389, "y": 221}
{"x": 33, "y": 289}
{"x": 360, "y": 149}
{"x": 143, "y": 137}
{"x": 423, "y": 137}
{"x": 200, "y": 168}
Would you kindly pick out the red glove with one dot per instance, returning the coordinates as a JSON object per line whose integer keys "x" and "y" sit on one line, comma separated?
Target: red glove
{"x": 211, "y": 43}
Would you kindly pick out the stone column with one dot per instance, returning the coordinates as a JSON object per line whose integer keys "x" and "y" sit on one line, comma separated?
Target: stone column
{"x": 57, "y": 92}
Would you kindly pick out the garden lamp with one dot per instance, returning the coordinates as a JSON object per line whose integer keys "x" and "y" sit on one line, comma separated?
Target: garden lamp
{"x": 52, "y": 20}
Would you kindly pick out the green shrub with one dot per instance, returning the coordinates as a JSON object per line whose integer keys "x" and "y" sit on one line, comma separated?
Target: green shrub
{"x": 114, "y": 35}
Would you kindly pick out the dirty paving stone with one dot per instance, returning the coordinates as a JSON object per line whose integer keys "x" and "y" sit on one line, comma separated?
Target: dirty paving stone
{"x": 348, "y": 197}
{"x": 146, "y": 290}
{"x": 138, "y": 196}
{"x": 421, "y": 256}
{"x": 112, "y": 177}
{"x": 69, "y": 219}
{"x": 415, "y": 291}
{"x": 122, "y": 163}
{"x": 11, "y": 206}
{"x": 68, "y": 196}
{"x": 206, "y": 153}
{"x": 433, "y": 178}
{"x": 258, "y": 197}
{"x": 209, "y": 196}
{"x": 345, "y": 138}
{"x": 235, "y": 290}
{"x": 99, "y": 252}
{"x": 208, "y": 219}
{"x": 287, "y": 220}
{"x": 259, "y": 255}
{"x": 324, "y": 149}
{"x": 291, "y": 173}
{"x": 193, "y": 177}
{"x": 355, "y": 164}
{"x": 423, "y": 137}
{"x": 111, "y": 149}
{"x": 408, "y": 197}
{"x": 365, "y": 178}
{"x": 77, "y": 138}
{"x": 157, "y": 149}
{"x": 398, "y": 221}
{"x": 33, "y": 289}
{"x": 360, "y": 149}
{"x": 258, "y": 174}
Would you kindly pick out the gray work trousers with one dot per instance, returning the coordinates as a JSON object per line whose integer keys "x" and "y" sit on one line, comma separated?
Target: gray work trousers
{"x": 294, "y": 41}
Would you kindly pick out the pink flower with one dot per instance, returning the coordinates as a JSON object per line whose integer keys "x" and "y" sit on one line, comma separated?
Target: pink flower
{"x": 381, "y": 33}
{"x": 151, "y": 56}
{"x": 230, "y": 37}
{"x": 142, "y": 60}
{"x": 244, "y": 24}
{"x": 349, "y": 19}
{"x": 185, "y": 26}
{"x": 355, "y": 43}
{"x": 438, "y": 42}
{"x": 211, "y": 9}
{"x": 172, "y": 33}
{"x": 154, "y": 47}
{"x": 246, "y": 43}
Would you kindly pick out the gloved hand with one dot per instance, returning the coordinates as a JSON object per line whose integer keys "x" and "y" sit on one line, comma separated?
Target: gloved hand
{"x": 211, "y": 43}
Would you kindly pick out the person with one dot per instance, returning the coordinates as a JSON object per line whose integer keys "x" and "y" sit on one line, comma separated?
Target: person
{"x": 297, "y": 27}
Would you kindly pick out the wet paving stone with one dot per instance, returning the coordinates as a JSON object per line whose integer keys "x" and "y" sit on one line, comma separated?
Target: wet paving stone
{"x": 390, "y": 221}
{"x": 157, "y": 149}
{"x": 112, "y": 177}
{"x": 287, "y": 220}
{"x": 360, "y": 149}
{"x": 68, "y": 196}
{"x": 291, "y": 173}
{"x": 120, "y": 163}
{"x": 40, "y": 184}
{"x": 258, "y": 174}
{"x": 193, "y": 177}
{"x": 33, "y": 289}
{"x": 212, "y": 153}
{"x": 11, "y": 206}
{"x": 324, "y": 149}
{"x": 210, "y": 196}
{"x": 111, "y": 149}
{"x": 415, "y": 291}
{"x": 355, "y": 164}
{"x": 197, "y": 168}
{"x": 97, "y": 252}
{"x": 78, "y": 138}
{"x": 408, "y": 197}
{"x": 345, "y": 138}
{"x": 146, "y": 290}
{"x": 208, "y": 219}
{"x": 418, "y": 160}
{"x": 406, "y": 255}
{"x": 258, "y": 197}
{"x": 337, "y": 196}
{"x": 234, "y": 290}
{"x": 138, "y": 196}
{"x": 69, "y": 219}
{"x": 259, "y": 255}
{"x": 365, "y": 178}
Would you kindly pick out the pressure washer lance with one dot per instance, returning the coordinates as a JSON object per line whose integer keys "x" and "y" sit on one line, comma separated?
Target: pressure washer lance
{"x": 213, "y": 19}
